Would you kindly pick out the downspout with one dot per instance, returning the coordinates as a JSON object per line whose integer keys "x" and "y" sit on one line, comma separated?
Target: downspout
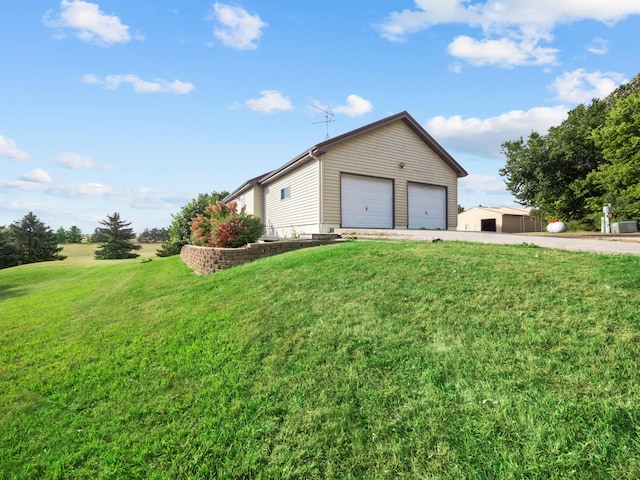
{"x": 320, "y": 186}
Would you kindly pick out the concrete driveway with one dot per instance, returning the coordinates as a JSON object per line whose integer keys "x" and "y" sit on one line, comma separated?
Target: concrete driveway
{"x": 629, "y": 243}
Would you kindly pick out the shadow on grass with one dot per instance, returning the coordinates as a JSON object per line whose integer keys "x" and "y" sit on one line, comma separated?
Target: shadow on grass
{"x": 625, "y": 422}
{"x": 8, "y": 291}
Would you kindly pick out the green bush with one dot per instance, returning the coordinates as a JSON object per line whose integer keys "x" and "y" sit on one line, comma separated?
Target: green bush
{"x": 221, "y": 225}
{"x": 169, "y": 249}
{"x": 179, "y": 233}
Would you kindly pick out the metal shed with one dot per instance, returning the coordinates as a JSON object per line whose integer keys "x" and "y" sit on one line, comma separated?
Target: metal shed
{"x": 501, "y": 220}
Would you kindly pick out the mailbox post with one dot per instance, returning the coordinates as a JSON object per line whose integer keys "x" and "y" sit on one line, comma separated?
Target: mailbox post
{"x": 606, "y": 220}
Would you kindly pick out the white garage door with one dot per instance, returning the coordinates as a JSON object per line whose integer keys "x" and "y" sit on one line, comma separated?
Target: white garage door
{"x": 427, "y": 207}
{"x": 366, "y": 202}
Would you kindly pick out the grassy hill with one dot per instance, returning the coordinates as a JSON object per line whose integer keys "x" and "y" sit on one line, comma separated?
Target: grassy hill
{"x": 356, "y": 360}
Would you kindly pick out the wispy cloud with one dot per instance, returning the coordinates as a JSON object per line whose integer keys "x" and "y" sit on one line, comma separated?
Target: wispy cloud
{"x": 8, "y": 149}
{"x": 157, "y": 85}
{"x": 270, "y": 101}
{"x": 76, "y": 161}
{"x": 599, "y": 46}
{"x": 237, "y": 28}
{"x": 355, "y": 107}
{"x": 581, "y": 86}
{"x": 38, "y": 175}
{"x": 135, "y": 197}
{"x": 90, "y": 23}
{"x": 512, "y": 31}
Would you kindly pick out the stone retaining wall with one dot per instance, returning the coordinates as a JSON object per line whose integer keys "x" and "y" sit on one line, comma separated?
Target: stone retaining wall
{"x": 209, "y": 259}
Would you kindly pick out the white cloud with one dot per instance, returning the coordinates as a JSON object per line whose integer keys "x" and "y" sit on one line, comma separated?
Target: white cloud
{"x": 269, "y": 102}
{"x": 22, "y": 185}
{"x": 506, "y": 52}
{"x": 38, "y": 175}
{"x": 158, "y": 85}
{"x": 92, "y": 79}
{"x": 73, "y": 190}
{"x": 484, "y": 137}
{"x": 599, "y": 46}
{"x": 355, "y": 107}
{"x": 21, "y": 207}
{"x": 137, "y": 197}
{"x": 481, "y": 184}
{"x": 511, "y": 29}
{"x": 428, "y": 13}
{"x": 9, "y": 149}
{"x": 148, "y": 198}
{"x": 236, "y": 27}
{"x": 581, "y": 86}
{"x": 498, "y": 15}
{"x": 90, "y": 23}
{"x": 75, "y": 161}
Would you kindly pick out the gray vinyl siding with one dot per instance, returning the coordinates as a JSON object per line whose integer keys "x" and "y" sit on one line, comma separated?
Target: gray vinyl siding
{"x": 302, "y": 208}
{"x": 378, "y": 153}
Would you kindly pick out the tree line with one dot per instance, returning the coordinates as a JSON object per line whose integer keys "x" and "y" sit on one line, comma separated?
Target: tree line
{"x": 30, "y": 240}
{"x": 590, "y": 160}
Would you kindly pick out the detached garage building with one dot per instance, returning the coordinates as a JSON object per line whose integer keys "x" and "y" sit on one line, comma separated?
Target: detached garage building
{"x": 501, "y": 220}
{"x": 388, "y": 174}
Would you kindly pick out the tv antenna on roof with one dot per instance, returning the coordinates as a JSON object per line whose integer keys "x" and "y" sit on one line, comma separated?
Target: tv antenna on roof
{"x": 328, "y": 118}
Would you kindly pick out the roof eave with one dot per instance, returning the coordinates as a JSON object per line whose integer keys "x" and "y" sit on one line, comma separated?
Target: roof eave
{"x": 297, "y": 161}
{"x": 243, "y": 188}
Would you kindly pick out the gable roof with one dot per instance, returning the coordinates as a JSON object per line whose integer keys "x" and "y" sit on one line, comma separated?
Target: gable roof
{"x": 323, "y": 147}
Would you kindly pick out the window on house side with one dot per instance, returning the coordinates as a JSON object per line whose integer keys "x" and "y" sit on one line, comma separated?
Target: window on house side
{"x": 285, "y": 193}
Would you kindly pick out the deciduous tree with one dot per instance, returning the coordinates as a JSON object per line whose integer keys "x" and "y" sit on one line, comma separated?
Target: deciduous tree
{"x": 179, "y": 231}
{"x": 619, "y": 139}
{"x": 572, "y": 170}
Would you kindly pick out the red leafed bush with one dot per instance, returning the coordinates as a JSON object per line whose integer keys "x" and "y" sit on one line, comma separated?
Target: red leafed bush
{"x": 222, "y": 225}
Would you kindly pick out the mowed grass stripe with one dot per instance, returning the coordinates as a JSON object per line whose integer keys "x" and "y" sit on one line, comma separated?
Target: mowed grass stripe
{"x": 357, "y": 360}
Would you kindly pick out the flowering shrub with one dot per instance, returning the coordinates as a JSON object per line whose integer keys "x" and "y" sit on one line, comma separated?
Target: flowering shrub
{"x": 222, "y": 225}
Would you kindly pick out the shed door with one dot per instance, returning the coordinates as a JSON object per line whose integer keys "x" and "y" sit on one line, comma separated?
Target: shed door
{"x": 366, "y": 202}
{"x": 427, "y": 207}
{"x": 488, "y": 225}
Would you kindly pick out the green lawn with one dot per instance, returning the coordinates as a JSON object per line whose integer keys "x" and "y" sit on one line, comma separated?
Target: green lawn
{"x": 355, "y": 360}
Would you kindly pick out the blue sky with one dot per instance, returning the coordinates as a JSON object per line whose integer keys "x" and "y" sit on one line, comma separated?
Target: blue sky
{"x": 136, "y": 106}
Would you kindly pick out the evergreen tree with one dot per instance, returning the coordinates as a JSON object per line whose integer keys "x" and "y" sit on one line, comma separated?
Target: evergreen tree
{"x": 60, "y": 236}
{"x": 8, "y": 249}
{"x": 35, "y": 240}
{"x": 97, "y": 236}
{"x": 74, "y": 235}
{"x": 115, "y": 238}
{"x": 154, "y": 235}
